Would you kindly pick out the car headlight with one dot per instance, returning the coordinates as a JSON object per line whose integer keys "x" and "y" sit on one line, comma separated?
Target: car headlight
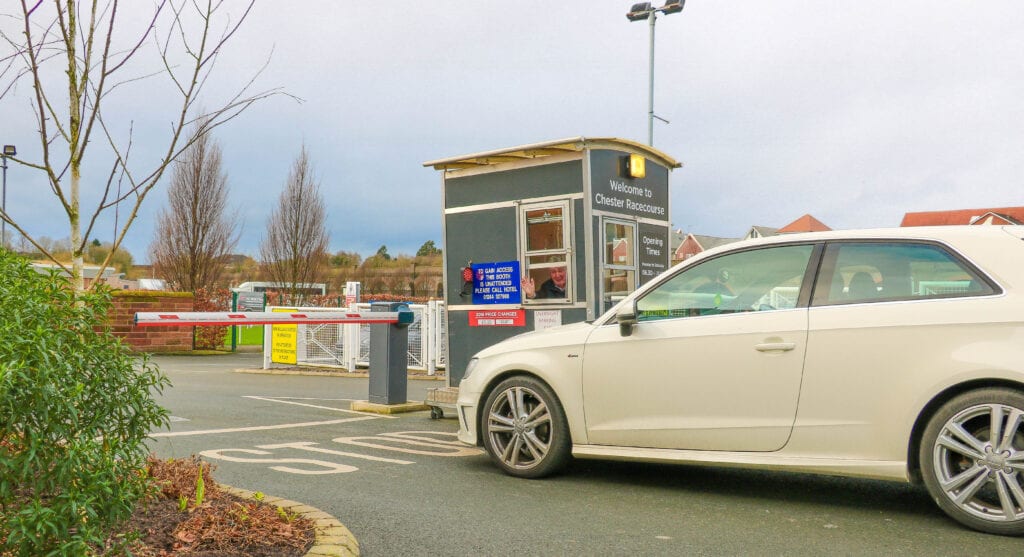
{"x": 469, "y": 368}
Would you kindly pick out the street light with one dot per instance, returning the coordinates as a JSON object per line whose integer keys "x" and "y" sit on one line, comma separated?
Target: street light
{"x": 9, "y": 151}
{"x": 640, "y": 12}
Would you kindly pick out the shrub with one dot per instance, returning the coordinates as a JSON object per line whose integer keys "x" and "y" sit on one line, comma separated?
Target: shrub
{"x": 211, "y": 338}
{"x": 75, "y": 408}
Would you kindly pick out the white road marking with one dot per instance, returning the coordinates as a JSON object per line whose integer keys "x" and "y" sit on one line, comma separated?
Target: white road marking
{"x": 328, "y": 467}
{"x": 424, "y": 440}
{"x": 261, "y": 427}
{"x": 308, "y": 446}
{"x": 174, "y": 419}
{"x": 433, "y": 447}
{"x": 418, "y": 435}
{"x": 277, "y": 399}
{"x": 311, "y": 398}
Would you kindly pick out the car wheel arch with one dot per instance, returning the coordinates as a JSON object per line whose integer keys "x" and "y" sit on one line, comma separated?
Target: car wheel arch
{"x": 933, "y": 406}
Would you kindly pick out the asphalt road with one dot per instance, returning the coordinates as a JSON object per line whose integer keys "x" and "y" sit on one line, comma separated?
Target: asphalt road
{"x": 404, "y": 486}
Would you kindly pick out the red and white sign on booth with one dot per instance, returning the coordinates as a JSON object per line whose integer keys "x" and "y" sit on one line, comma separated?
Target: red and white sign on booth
{"x": 352, "y": 290}
{"x": 497, "y": 318}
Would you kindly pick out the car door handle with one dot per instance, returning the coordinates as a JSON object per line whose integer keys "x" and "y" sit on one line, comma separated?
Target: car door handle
{"x": 775, "y": 346}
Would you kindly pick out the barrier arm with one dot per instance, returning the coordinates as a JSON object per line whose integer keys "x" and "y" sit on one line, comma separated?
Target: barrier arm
{"x": 206, "y": 318}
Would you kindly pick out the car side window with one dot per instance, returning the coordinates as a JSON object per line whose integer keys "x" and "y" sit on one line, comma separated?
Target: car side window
{"x": 856, "y": 272}
{"x": 754, "y": 280}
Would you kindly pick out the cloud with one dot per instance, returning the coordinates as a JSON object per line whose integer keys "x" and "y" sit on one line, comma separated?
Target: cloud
{"x": 855, "y": 113}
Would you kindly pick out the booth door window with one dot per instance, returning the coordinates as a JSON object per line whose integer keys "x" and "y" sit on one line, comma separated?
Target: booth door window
{"x": 547, "y": 260}
{"x": 618, "y": 274}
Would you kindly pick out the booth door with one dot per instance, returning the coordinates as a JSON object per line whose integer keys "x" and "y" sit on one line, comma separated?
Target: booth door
{"x": 618, "y": 261}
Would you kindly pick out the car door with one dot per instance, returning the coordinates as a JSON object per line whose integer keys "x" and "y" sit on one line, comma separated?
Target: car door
{"x": 926, "y": 314}
{"x": 714, "y": 361}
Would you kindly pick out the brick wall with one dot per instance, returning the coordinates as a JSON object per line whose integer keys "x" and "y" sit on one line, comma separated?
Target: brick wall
{"x": 150, "y": 339}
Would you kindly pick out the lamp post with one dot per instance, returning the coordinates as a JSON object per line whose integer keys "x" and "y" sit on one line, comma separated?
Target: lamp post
{"x": 9, "y": 151}
{"x": 640, "y": 12}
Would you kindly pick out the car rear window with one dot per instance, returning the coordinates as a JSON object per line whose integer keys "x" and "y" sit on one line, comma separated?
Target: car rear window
{"x": 859, "y": 272}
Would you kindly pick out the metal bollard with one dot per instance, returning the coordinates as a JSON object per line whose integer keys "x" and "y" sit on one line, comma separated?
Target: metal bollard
{"x": 389, "y": 348}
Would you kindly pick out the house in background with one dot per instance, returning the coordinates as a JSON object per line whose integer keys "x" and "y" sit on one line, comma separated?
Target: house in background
{"x": 806, "y": 223}
{"x": 110, "y": 277}
{"x": 693, "y": 244}
{"x": 760, "y": 232}
{"x": 696, "y": 243}
{"x": 998, "y": 216}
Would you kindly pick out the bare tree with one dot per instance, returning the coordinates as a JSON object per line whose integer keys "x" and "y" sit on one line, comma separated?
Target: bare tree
{"x": 97, "y": 54}
{"x": 294, "y": 253}
{"x": 195, "y": 233}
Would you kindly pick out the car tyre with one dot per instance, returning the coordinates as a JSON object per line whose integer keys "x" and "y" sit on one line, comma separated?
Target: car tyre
{"x": 972, "y": 460}
{"x": 524, "y": 428}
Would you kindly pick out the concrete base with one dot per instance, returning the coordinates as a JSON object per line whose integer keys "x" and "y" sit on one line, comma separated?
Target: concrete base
{"x": 375, "y": 408}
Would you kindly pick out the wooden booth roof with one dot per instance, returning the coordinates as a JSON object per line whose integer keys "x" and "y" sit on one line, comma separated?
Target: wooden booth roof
{"x": 549, "y": 148}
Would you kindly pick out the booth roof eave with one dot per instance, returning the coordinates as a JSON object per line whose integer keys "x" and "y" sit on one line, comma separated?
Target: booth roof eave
{"x": 549, "y": 148}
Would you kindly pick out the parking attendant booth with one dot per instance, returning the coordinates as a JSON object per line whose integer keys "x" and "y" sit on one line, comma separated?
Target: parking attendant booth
{"x": 547, "y": 234}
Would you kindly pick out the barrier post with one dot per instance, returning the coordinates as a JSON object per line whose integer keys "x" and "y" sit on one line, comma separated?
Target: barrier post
{"x": 389, "y": 364}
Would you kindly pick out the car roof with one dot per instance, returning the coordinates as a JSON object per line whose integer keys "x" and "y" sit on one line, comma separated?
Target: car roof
{"x": 941, "y": 233}
{"x": 960, "y": 236}
{"x": 979, "y": 240}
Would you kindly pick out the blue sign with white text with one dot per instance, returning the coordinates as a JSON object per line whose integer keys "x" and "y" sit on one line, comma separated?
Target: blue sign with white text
{"x": 496, "y": 283}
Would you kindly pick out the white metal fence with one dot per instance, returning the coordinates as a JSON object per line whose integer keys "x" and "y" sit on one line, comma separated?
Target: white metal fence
{"x": 348, "y": 346}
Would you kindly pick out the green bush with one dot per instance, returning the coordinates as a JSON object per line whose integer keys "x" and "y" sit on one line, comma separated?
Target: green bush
{"x": 75, "y": 407}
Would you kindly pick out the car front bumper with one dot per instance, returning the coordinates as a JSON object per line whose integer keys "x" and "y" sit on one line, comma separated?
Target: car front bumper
{"x": 466, "y": 408}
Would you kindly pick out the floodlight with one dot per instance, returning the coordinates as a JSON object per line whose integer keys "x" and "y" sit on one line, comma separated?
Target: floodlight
{"x": 673, "y": 6}
{"x": 639, "y": 12}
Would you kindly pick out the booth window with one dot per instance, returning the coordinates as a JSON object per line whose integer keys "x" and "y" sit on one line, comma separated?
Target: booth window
{"x": 619, "y": 270}
{"x": 547, "y": 259}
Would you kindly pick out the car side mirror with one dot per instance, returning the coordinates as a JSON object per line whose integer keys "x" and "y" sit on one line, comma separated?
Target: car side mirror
{"x": 626, "y": 317}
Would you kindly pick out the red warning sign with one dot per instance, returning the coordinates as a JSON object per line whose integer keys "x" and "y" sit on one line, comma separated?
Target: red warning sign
{"x": 498, "y": 318}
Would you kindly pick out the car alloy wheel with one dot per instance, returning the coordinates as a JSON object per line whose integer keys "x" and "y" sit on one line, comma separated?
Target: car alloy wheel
{"x": 973, "y": 460}
{"x": 525, "y": 430}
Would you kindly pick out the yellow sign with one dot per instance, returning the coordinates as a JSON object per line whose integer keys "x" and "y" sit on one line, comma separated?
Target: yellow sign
{"x": 284, "y": 341}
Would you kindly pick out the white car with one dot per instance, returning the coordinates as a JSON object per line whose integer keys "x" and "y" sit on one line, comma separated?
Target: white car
{"x": 892, "y": 354}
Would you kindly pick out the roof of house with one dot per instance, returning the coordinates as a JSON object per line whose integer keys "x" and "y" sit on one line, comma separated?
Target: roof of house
{"x": 996, "y": 218}
{"x": 762, "y": 231}
{"x": 88, "y": 271}
{"x": 806, "y": 223}
{"x": 675, "y": 239}
{"x": 961, "y": 216}
{"x": 708, "y": 242}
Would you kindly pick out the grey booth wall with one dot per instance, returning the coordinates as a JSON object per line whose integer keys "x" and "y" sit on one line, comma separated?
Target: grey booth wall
{"x": 652, "y": 259}
{"x": 491, "y": 235}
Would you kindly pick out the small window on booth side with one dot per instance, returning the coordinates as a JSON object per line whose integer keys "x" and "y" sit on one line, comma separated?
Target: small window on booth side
{"x": 547, "y": 260}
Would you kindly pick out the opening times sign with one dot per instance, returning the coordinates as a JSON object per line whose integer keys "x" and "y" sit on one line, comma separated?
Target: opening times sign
{"x": 496, "y": 283}
{"x": 654, "y": 251}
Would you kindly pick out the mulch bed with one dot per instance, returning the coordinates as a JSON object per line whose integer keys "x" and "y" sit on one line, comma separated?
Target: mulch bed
{"x": 217, "y": 530}
{"x": 223, "y": 525}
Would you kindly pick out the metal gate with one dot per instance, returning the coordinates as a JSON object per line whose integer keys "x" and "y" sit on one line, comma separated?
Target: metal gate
{"x": 347, "y": 346}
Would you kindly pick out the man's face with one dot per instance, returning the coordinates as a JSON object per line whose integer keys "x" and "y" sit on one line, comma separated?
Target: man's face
{"x": 558, "y": 276}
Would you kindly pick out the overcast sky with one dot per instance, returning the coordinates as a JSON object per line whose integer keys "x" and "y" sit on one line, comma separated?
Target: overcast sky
{"x": 854, "y": 112}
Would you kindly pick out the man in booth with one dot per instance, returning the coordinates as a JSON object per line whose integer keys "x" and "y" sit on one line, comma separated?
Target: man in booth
{"x": 554, "y": 287}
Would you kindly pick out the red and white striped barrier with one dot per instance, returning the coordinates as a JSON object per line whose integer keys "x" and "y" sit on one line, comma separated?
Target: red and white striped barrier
{"x": 164, "y": 319}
